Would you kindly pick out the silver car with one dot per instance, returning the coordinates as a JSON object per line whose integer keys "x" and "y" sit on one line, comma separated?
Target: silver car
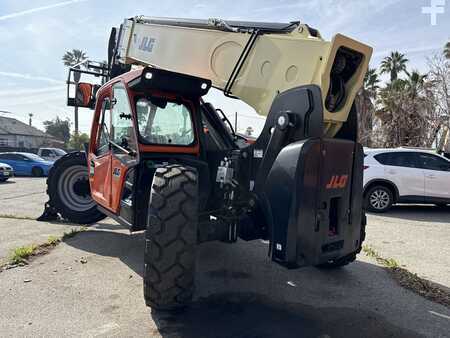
{"x": 6, "y": 171}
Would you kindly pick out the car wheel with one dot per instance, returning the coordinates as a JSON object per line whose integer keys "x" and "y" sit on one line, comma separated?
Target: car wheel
{"x": 37, "y": 172}
{"x": 379, "y": 199}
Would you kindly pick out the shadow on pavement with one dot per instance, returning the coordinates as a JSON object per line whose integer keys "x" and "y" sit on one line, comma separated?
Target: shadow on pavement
{"x": 421, "y": 213}
{"x": 252, "y": 315}
{"x": 240, "y": 306}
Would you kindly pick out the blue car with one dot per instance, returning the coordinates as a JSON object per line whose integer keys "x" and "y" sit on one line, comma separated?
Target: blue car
{"x": 26, "y": 164}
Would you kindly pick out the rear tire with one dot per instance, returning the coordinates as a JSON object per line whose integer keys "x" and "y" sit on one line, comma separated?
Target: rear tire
{"x": 379, "y": 199}
{"x": 171, "y": 238}
{"x": 69, "y": 191}
{"x": 37, "y": 172}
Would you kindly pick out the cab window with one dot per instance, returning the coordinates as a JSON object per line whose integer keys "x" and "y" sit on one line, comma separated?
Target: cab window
{"x": 122, "y": 132}
{"x": 164, "y": 122}
{"x": 102, "y": 146}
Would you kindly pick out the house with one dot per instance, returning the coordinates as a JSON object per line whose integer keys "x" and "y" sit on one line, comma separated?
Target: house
{"x": 16, "y": 134}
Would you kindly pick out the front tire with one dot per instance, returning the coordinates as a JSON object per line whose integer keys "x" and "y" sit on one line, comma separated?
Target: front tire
{"x": 171, "y": 238}
{"x": 69, "y": 191}
{"x": 379, "y": 199}
{"x": 37, "y": 172}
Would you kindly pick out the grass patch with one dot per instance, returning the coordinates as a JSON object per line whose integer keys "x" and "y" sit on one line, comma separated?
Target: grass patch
{"x": 410, "y": 280}
{"x": 72, "y": 233}
{"x": 21, "y": 254}
{"x": 16, "y": 217}
{"x": 53, "y": 240}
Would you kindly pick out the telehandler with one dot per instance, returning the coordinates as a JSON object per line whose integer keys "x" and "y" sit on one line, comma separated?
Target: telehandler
{"x": 163, "y": 160}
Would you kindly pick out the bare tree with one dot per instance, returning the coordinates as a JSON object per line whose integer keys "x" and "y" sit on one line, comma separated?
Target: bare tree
{"x": 439, "y": 79}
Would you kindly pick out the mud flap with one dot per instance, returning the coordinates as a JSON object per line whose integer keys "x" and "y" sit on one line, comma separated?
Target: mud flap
{"x": 314, "y": 191}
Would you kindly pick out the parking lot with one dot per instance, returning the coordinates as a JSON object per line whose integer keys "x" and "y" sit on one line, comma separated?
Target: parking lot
{"x": 91, "y": 285}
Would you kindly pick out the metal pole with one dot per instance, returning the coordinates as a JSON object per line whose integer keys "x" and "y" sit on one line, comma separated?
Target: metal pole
{"x": 76, "y": 119}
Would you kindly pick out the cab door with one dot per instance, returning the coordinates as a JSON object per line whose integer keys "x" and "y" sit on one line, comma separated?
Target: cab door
{"x": 124, "y": 150}
{"x": 100, "y": 155}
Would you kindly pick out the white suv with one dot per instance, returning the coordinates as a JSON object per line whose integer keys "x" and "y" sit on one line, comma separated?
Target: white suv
{"x": 405, "y": 175}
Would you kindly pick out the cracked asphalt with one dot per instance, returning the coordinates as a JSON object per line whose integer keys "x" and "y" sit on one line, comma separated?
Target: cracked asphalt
{"x": 91, "y": 285}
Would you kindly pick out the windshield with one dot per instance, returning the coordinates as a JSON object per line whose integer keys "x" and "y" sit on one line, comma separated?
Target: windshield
{"x": 164, "y": 122}
{"x": 59, "y": 152}
{"x": 33, "y": 157}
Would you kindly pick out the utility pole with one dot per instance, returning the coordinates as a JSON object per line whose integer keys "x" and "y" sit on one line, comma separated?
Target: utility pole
{"x": 235, "y": 122}
{"x": 76, "y": 79}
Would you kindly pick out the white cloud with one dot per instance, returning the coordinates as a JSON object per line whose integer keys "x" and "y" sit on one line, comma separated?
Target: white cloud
{"x": 30, "y": 77}
{"x": 30, "y": 91}
{"x": 39, "y": 9}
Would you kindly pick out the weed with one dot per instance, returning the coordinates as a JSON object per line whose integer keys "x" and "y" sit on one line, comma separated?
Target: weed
{"x": 19, "y": 255}
{"x": 410, "y": 280}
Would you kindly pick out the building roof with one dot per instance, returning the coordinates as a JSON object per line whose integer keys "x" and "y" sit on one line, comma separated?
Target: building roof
{"x": 12, "y": 126}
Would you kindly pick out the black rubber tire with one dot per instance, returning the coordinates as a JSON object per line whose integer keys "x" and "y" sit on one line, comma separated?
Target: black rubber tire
{"x": 171, "y": 238}
{"x": 37, "y": 172}
{"x": 57, "y": 172}
{"x": 380, "y": 189}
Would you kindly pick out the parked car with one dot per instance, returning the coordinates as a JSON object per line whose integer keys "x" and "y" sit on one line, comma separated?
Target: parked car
{"x": 26, "y": 163}
{"x": 6, "y": 172}
{"x": 51, "y": 154}
{"x": 405, "y": 175}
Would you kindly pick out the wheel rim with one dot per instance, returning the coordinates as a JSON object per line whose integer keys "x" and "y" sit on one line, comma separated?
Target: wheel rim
{"x": 379, "y": 199}
{"x": 73, "y": 189}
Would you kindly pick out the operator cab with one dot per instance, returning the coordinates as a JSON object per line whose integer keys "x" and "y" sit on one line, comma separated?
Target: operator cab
{"x": 141, "y": 119}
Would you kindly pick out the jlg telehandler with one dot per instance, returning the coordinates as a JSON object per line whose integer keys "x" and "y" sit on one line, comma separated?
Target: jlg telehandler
{"x": 163, "y": 160}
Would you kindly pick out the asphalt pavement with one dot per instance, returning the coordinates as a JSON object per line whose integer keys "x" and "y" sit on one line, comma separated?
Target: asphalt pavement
{"x": 91, "y": 285}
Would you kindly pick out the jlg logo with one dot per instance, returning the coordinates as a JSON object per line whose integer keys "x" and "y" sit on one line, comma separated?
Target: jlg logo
{"x": 337, "y": 182}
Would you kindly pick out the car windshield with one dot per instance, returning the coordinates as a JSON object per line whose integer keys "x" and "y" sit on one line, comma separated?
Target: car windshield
{"x": 33, "y": 157}
{"x": 59, "y": 152}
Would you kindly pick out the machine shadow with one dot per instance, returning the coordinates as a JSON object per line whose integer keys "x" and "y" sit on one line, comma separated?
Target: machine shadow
{"x": 129, "y": 248}
{"x": 243, "y": 315}
{"x": 232, "y": 297}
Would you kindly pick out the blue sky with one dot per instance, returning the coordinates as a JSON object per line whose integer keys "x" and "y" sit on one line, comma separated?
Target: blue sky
{"x": 35, "y": 34}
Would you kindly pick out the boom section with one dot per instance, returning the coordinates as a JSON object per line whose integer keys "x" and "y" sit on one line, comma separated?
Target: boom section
{"x": 251, "y": 61}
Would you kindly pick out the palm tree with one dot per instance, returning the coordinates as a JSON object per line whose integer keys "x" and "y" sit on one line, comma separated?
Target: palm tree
{"x": 447, "y": 50}
{"x": 73, "y": 57}
{"x": 415, "y": 83}
{"x": 70, "y": 59}
{"x": 394, "y": 65}
{"x": 365, "y": 105}
{"x": 371, "y": 82}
